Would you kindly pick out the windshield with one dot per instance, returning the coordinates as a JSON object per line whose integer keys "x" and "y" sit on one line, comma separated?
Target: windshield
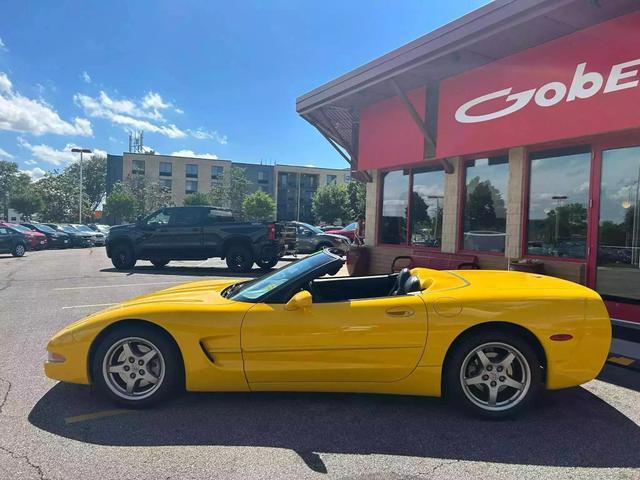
{"x": 351, "y": 226}
{"x": 45, "y": 228}
{"x": 83, "y": 228}
{"x": 251, "y": 291}
{"x": 315, "y": 230}
{"x": 20, "y": 228}
{"x": 69, "y": 229}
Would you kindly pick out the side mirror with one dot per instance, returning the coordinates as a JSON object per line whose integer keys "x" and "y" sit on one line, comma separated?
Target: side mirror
{"x": 300, "y": 300}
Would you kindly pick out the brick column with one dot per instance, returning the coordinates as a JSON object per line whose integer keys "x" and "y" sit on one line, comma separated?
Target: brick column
{"x": 450, "y": 220}
{"x": 371, "y": 209}
{"x": 515, "y": 202}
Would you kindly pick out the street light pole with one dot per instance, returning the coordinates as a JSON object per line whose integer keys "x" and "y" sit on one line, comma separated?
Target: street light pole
{"x": 80, "y": 151}
{"x": 558, "y": 199}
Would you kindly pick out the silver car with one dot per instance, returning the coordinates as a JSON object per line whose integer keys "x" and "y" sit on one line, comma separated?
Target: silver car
{"x": 98, "y": 237}
{"x": 311, "y": 239}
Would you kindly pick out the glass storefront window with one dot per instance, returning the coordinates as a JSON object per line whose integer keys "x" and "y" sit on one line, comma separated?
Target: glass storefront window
{"x": 618, "y": 270}
{"x": 426, "y": 207}
{"x": 485, "y": 206}
{"x": 558, "y": 203}
{"x": 395, "y": 196}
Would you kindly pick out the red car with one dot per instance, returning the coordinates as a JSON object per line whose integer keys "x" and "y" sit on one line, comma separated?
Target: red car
{"x": 35, "y": 240}
{"x": 349, "y": 231}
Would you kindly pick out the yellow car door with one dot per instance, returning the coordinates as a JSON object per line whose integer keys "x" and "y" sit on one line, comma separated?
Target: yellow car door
{"x": 368, "y": 340}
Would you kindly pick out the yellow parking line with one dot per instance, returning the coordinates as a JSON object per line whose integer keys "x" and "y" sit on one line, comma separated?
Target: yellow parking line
{"x": 621, "y": 360}
{"x": 96, "y": 415}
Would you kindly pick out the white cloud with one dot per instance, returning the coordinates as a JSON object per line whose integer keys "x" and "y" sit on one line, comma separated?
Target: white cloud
{"x": 153, "y": 100}
{"x": 202, "y": 134}
{"x": 5, "y": 154}
{"x": 31, "y": 162}
{"x": 86, "y": 77}
{"x": 3, "y": 46}
{"x": 179, "y": 110}
{"x": 126, "y": 113}
{"x": 49, "y": 154}
{"x": 192, "y": 154}
{"x": 35, "y": 173}
{"x": 21, "y": 114}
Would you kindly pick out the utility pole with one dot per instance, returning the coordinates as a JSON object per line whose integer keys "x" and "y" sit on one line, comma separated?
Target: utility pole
{"x": 80, "y": 151}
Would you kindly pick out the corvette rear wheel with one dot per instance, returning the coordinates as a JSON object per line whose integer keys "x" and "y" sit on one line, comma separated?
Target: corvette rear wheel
{"x": 136, "y": 366}
{"x": 495, "y": 374}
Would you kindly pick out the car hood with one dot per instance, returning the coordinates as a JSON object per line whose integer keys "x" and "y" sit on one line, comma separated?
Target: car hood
{"x": 334, "y": 236}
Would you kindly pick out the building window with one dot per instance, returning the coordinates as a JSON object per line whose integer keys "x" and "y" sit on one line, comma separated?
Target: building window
{"x": 395, "y": 193}
{"x": 137, "y": 167}
{"x": 262, "y": 177}
{"x": 485, "y": 206}
{"x": 165, "y": 184}
{"x": 191, "y": 171}
{"x": 427, "y": 200}
{"x": 191, "y": 186}
{"x": 332, "y": 179}
{"x": 166, "y": 169}
{"x": 216, "y": 172}
{"x": 558, "y": 201}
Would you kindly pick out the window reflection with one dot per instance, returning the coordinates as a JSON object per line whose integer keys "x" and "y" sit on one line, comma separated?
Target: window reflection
{"x": 395, "y": 190}
{"x": 558, "y": 201}
{"x": 485, "y": 210}
{"x": 618, "y": 272}
{"x": 426, "y": 207}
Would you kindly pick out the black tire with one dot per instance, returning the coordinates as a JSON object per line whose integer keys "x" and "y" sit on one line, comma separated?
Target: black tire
{"x": 18, "y": 250}
{"x": 239, "y": 258}
{"x": 323, "y": 245}
{"x": 169, "y": 358}
{"x": 525, "y": 370}
{"x": 267, "y": 264}
{"x": 160, "y": 263}
{"x": 123, "y": 257}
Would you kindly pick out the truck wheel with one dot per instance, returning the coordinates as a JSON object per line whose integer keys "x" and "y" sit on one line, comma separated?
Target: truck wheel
{"x": 18, "y": 250}
{"x": 267, "y": 264}
{"x": 160, "y": 263}
{"x": 239, "y": 258}
{"x": 123, "y": 258}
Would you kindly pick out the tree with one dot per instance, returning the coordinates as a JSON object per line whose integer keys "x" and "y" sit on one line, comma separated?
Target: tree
{"x": 94, "y": 178}
{"x": 357, "y": 193}
{"x": 331, "y": 202}
{"x": 231, "y": 190}
{"x": 197, "y": 198}
{"x": 149, "y": 196}
{"x": 259, "y": 206}
{"x": 59, "y": 194}
{"x": 121, "y": 203}
{"x": 27, "y": 202}
{"x": 8, "y": 175}
{"x": 484, "y": 205}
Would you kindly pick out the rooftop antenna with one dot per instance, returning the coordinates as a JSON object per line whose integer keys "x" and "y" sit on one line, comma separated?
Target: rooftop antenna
{"x": 136, "y": 142}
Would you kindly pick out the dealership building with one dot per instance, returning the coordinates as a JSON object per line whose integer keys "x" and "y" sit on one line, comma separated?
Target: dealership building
{"x": 511, "y": 135}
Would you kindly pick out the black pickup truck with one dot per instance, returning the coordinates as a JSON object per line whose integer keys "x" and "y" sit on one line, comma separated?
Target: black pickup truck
{"x": 194, "y": 233}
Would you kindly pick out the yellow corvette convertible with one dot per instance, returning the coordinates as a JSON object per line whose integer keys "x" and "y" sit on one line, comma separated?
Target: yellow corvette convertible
{"x": 490, "y": 340}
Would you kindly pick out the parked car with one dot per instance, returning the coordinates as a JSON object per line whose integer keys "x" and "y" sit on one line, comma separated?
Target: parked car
{"x": 326, "y": 228}
{"x": 194, "y": 233}
{"x": 98, "y": 227}
{"x": 55, "y": 238}
{"x": 98, "y": 237}
{"x": 491, "y": 349}
{"x": 349, "y": 231}
{"x": 35, "y": 240}
{"x": 12, "y": 241}
{"x": 311, "y": 239}
{"x": 78, "y": 239}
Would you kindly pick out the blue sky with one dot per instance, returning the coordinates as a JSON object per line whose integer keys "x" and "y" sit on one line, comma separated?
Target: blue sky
{"x": 210, "y": 77}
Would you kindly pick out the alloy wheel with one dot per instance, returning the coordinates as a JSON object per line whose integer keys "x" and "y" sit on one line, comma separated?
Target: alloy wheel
{"x": 133, "y": 368}
{"x": 495, "y": 376}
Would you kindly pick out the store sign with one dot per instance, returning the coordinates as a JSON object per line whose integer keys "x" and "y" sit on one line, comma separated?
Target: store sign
{"x": 582, "y": 84}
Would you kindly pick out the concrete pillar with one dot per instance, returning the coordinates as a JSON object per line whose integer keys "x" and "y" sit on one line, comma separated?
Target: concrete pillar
{"x": 371, "y": 209}
{"x": 450, "y": 220}
{"x": 515, "y": 202}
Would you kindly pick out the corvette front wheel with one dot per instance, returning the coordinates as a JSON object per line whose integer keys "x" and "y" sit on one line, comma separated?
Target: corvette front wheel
{"x": 495, "y": 374}
{"x": 136, "y": 366}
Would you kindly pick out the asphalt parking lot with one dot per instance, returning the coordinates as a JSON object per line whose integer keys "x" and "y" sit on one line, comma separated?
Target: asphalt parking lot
{"x": 53, "y": 431}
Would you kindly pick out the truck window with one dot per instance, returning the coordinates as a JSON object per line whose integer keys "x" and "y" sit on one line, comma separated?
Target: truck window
{"x": 186, "y": 217}
{"x": 217, "y": 216}
{"x": 160, "y": 218}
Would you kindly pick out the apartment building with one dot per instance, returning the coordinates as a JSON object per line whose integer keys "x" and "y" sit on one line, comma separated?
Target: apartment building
{"x": 291, "y": 186}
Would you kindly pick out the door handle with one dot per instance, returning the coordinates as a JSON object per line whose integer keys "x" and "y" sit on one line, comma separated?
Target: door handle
{"x": 399, "y": 312}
